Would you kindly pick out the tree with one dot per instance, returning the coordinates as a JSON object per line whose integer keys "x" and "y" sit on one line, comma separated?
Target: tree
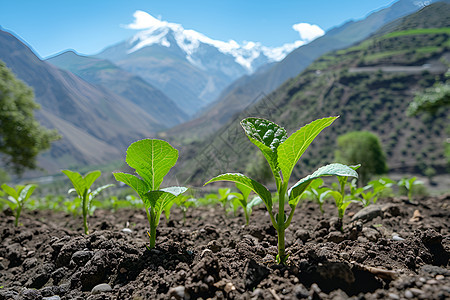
{"x": 362, "y": 147}
{"x": 21, "y": 136}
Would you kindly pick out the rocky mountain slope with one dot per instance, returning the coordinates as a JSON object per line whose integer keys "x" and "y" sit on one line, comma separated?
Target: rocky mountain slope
{"x": 109, "y": 76}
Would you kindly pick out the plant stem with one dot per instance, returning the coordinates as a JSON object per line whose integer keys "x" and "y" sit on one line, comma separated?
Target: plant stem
{"x": 247, "y": 218}
{"x": 281, "y": 224}
{"x": 16, "y": 221}
{"x": 84, "y": 200}
{"x": 151, "y": 218}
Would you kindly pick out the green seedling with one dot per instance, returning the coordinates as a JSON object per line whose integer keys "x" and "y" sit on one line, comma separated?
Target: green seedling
{"x": 82, "y": 186}
{"x": 183, "y": 202}
{"x": 408, "y": 184}
{"x": 282, "y": 153}
{"x": 17, "y": 198}
{"x": 371, "y": 192}
{"x": 242, "y": 201}
{"x": 341, "y": 199}
{"x": 226, "y": 197}
{"x": 317, "y": 192}
{"x": 209, "y": 199}
{"x": 152, "y": 159}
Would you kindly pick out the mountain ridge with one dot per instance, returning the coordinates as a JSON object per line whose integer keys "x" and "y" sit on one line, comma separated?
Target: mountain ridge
{"x": 104, "y": 73}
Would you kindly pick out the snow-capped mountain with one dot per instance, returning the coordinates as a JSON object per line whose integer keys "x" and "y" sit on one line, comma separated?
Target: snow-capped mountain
{"x": 250, "y": 55}
{"x": 188, "y": 66}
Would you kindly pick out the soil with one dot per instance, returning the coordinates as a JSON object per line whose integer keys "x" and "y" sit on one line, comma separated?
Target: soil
{"x": 396, "y": 250}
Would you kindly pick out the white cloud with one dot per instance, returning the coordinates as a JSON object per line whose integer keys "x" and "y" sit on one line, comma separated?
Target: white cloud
{"x": 308, "y": 32}
{"x": 143, "y": 20}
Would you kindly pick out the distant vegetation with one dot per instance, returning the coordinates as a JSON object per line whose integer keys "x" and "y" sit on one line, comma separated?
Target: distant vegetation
{"x": 22, "y": 138}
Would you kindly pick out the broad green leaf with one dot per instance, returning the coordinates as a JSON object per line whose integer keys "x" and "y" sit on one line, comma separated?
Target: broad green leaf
{"x": 137, "y": 184}
{"x": 77, "y": 180}
{"x": 267, "y": 136}
{"x": 329, "y": 170}
{"x": 152, "y": 159}
{"x": 293, "y": 148}
{"x": 244, "y": 190}
{"x": 26, "y": 192}
{"x": 10, "y": 191}
{"x": 337, "y": 198}
{"x": 255, "y": 186}
{"x": 91, "y": 177}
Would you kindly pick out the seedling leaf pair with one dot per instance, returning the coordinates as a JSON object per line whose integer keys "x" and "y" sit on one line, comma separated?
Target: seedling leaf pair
{"x": 152, "y": 159}
{"x": 82, "y": 186}
{"x": 17, "y": 198}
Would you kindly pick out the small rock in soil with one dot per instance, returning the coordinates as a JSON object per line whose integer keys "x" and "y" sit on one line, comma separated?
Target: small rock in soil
{"x": 417, "y": 217}
{"x": 396, "y": 237}
{"x": 368, "y": 213}
{"x": 56, "y": 297}
{"x": 80, "y": 258}
{"x": 394, "y": 296}
{"x": 30, "y": 294}
{"x": 178, "y": 293}
{"x": 409, "y": 294}
{"x": 127, "y": 230}
{"x": 101, "y": 288}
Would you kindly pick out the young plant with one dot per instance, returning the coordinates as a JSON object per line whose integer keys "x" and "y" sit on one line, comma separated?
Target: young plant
{"x": 317, "y": 193}
{"x": 242, "y": 200}
{"x": 371, "y": 192}
{"x": 17, "y": 198}
{"x": 408, "y": 184}
{"x": 82, "y": 186}
{"x": 282, "y": 153}
{"x": 152, "y": 159}
{"x": 225, "y": 197}
{"x": 342, "y": 201}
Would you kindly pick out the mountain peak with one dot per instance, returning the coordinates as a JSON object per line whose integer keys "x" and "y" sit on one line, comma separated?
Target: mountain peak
{"x": 250, "y": 55}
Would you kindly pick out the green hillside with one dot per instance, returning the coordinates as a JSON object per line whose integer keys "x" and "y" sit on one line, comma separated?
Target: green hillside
{"x": 369, "y": 86}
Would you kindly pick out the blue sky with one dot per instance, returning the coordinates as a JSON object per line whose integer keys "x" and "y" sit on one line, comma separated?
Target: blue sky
{"x": 88, "y": 26}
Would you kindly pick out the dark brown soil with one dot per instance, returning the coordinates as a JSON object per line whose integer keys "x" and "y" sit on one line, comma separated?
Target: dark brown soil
{"x": 391, "y": 253}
